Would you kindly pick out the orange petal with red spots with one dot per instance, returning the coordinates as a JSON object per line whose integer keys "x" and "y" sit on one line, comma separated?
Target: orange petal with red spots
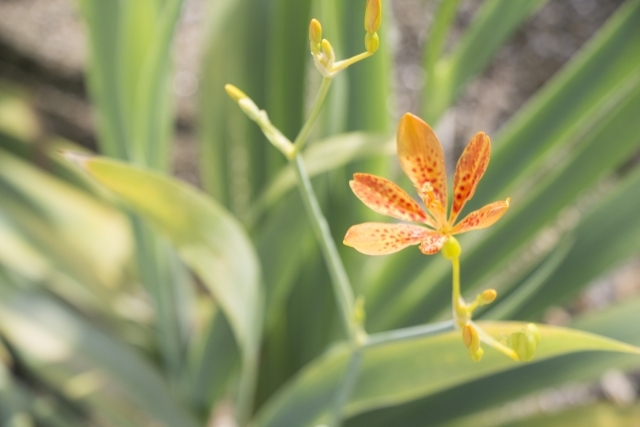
{"x": 482, "y": 218}
{"x": 385, "y": 197}
{"x": 421, "y": 157}
{"x": 471, "y": 166}
{"x": 374, "y": 238}
{"x": 433, "y": 243}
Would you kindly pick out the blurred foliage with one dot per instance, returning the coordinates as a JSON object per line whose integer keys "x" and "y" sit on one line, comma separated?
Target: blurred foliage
{"x": 141, "y": 301}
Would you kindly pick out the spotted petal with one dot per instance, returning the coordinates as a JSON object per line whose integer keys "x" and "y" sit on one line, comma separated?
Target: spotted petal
{"x": 471, "y": 166}
{"x": 374, "y": 238}
{"x": 482, "y": 218}
{"x": 385, "y": 197}
{"x": 433, "y": 243}
{"x": 421, "y": 157}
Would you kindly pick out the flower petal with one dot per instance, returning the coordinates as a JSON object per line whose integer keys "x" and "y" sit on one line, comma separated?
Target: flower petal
{"x": 482, "y": 218}
{"x": 385, "y": 197}
{"x": 374, "y": 238}
{"x": 433, "y": 243}
{"x": 421, "y": 157}
{"x": 471, "y": 166}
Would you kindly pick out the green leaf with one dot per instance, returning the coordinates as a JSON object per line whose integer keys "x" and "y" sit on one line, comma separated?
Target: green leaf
{"x": 594, "y": 415}
{"x": 104, "y": 75}
{"x": 565, "y": 106}
{"x": 47, "y": 333}
{"x": 402, "y": 371}
{"x": 209, "y": 240}
{"x": 614, "y": 225}
{"x": 473, "y": 397}
{"x": 496, "y": 21}
{"x": 129, "y": 73}
{"x": 89, "y": 229}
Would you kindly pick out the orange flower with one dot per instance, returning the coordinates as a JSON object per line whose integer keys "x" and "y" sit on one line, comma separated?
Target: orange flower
{"x": 421, "y": 158}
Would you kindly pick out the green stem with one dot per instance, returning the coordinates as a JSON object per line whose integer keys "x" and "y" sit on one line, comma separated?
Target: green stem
{"x": 456, "y": 297}
{"x": 313, "y": 115}
{"x": 413, "y": 332}
{"x": 339, "y": 279}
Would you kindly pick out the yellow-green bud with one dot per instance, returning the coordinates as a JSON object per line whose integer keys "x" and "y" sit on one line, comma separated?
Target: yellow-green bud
{"x": 532, "y": 329}
{"x": 524, "y": 344}
{"x": 451, "y": 249}
{"x": 471, "y": 340}
{"x": 235, "y": 93}
{"x": 487, "y": 297}
{"x": 315, "y": 31}
{"x": 315, "y": 35}
{"x": 329, "y": 54}
{"x": 477, "y": 356}
{"x": 371, "y": 42}
{"x": 372, "y": 16}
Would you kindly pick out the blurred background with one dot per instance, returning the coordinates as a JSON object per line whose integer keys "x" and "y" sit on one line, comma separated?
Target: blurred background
{"x": 555, "y": 83}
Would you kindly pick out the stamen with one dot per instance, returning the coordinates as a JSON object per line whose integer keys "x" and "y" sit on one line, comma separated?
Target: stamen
{"x": 433, "y": 204}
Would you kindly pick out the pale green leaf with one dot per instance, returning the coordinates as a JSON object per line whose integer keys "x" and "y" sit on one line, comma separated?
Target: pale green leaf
{"x": 210, "y": 240}
{"x": 49, "y": 335}
{"x": 405, "y": 370}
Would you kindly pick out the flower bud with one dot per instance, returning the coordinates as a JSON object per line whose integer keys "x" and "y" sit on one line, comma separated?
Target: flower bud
{"x": 371, "y": 42}
{"x": 471, "y": 340}
{"x": 525, "y": 343}
{"x": 533, "y": 330}
{"x": 372, "y": 16}
{"x": 487, "y": 297}
{"x": 477, "y": 356}
{"x": 315, "y": 32}
{"x": 235, "y": 93}
{"x": 315, "y": 35}
{"x": 451, "y": 249}
{"x": 329, "y": 54}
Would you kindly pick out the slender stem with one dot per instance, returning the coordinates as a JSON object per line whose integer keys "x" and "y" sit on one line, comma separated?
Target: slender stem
{"x": 346, "y": 388}
{"x": 313, "y": 115}
{"x": 413, "y": 332}
{"x": 339, "y": 279}
{"x": 489, "y": 340}
{"x": 457, "y": 303}
{"x": 341, "y": 65}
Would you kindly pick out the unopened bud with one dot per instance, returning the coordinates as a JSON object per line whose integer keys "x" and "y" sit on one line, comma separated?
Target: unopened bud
{"x": 371, "y": 42}
{"x": 235, "y": 93}
{"x": 451, "y": 249}
{"x": 477, "y": 356}
{"x": 315, "y": 32}
{"x": 533, "y": 330}
{"x": 525, "y": 343}
{"x": 329, "y": 54}
{"x": 471, "y": 340}
{"x": 487, "y": 297}
{"x": 372, "y": 16}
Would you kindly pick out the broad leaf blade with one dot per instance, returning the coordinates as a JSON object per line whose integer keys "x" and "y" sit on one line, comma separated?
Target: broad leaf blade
{"x": 403, "y": 371}
{"x": 210, "y": 241}
{"x": 48, "y": 334}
